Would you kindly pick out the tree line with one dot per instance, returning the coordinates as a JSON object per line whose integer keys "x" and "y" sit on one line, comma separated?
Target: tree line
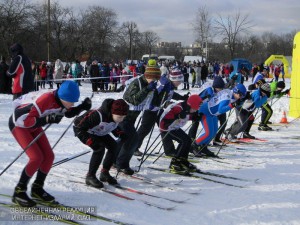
{"x": 96, "y": 33}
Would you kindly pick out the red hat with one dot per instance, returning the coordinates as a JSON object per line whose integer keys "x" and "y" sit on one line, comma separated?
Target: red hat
{"x": 194, "y": 101}
{"x": 119, "y": 107}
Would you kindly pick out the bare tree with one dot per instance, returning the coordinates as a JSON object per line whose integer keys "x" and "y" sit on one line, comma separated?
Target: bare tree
{"x": 14, "y": 20}
{"x": 150, "y": 40}
{"x": 130, "y": 29}
{"x": 202, "y": 28}
{"x": 231, "y": 27}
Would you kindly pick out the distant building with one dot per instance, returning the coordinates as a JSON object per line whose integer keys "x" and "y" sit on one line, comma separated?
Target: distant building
{"x": 165, "y": 44}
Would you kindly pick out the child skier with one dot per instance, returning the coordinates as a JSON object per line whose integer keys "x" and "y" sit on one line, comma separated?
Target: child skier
{"x": 94, "y": 128}
{"x": 140, "y": 95}
{"x": 207, "y": 92}
{"x": 244, "y": 112}
{"x": 32, "y": 111}
{"x": 173, "y": 118}
{"x": 266, "y": 110}
{"x": 220, "y": 103}
{"x": 165, "y": 90}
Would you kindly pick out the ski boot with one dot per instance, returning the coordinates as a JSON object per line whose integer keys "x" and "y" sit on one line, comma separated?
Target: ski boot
{"x": 38, "y": 192}
{"x": 91, "y": 180}
{"x": 21, "y": 198}
{"x": 177, "y": 167}
{"x": 106, "y": 177}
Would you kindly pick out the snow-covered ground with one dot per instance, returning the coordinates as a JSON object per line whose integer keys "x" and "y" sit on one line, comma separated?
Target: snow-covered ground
{"x": 270, "y": 194}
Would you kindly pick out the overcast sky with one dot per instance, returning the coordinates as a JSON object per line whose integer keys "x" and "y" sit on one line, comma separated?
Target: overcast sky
{"x": 172, "y": 19}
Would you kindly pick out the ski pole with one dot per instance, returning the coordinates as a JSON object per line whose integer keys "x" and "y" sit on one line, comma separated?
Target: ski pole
{"x": 69, "y": 158}
{"x": 162, "y": 102}
{"x": 68, "y": 128}
{"x": 26, "y": 148}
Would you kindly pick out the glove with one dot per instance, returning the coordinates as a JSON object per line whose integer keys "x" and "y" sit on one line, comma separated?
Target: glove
{"x": 92, "y": 144}
{"x": 199, "y": 116}
{"x": 167, "y": 87}
{"x": 120, "y": 133}
{"x": 278, "y": 92}
{"x": 181, "y": 115}
{"x": 152, "y": 85}
{"x": 236, "y": 103}
{"x": 54, "y": 118}
{"x": 86, "y": 104}
{"x": 248, "y": 95}
{"x": 164, "y": 80}
{"x": 186, "y": 96}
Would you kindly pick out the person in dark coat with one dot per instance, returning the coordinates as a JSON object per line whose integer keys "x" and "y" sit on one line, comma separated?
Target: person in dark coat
{"x": 94, "y": 72}
{"x": 5, "y": 82}
{"x": 21, "y": 72}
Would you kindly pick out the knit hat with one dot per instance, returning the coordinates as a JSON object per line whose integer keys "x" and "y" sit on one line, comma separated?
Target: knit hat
{"x": 240, "y": 89}
{"x": 176, "y": 75}
{"x": 69, "y": 91}
{"x": 152, "y": 70}
{"x": 265, "y": 88}
{"x": 218, "y": 82}
{"x": 119, "y": 107}
{"x": 281, "y": 84}
{"x": 194, "y": 101}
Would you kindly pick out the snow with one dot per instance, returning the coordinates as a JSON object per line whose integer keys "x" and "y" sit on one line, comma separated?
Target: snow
{"x": 270, "y": 196}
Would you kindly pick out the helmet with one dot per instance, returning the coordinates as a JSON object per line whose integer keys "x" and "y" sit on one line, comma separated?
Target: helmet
{"x": 194, "y": 101}
{"x": 240, "y": 89}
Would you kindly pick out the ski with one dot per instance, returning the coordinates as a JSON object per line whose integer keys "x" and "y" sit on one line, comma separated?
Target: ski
{"x": 192, "y": 160}
{"x": 223, "y": 176}
{"x": 152, "y": 182}
{"x": 144, "y": 178}
{"x": 126, "y": 197}
{"x": 42, "y": 215}
{"x": 144, "y": 193}
{"x": 197, "y": 177}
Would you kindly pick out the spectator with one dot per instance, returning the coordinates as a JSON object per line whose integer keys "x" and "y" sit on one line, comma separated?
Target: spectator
{"x": 21, "y": 72}
{"x": 5, "y": 81}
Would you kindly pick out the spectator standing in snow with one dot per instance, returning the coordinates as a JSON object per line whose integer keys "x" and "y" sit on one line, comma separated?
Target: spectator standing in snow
{"x": 20, "y": 71}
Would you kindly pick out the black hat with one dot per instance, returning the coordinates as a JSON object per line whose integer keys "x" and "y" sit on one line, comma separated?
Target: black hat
{"x": 218, "y": 82}
{"x": 281, "y": 84}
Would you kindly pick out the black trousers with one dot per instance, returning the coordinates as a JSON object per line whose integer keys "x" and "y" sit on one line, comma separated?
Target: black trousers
{"x": 129, "y": 145}
{"x": 103, "y": 142}
{"x": 243, "y": 122}
{"x": 184, "y": 142}
{"x": 147, "y": 122}
{"x": 186, "y": 81}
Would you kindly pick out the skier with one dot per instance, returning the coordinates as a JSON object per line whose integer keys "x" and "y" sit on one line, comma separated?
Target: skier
{"x": 208, "y": 91}
{"x": 165, "y": 90}
{"x": 141, "y": 94}
{"x": 32, "y": 111}
{"x": 172, "y": 119}
{"x": 266, "y": 110}
{"x": 244, "y": 112}
{"x": 96, "y": 129}
{"x": 220, "y": 103}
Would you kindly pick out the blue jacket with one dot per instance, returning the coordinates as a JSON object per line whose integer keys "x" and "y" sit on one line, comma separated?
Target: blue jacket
{"x": 258, "y": 99}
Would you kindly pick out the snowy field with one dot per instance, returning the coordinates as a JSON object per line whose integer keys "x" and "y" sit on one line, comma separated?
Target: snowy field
{"x": 269, "y": 192}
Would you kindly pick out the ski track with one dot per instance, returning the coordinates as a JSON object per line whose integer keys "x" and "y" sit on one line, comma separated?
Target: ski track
{"x": 272, "y": 200}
